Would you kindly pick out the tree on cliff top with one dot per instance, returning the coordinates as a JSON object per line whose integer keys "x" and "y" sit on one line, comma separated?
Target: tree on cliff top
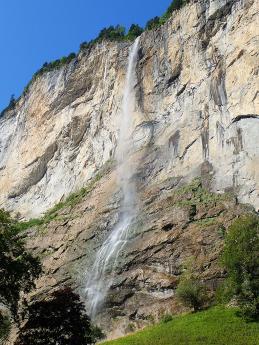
{"x": 134, "y": 31}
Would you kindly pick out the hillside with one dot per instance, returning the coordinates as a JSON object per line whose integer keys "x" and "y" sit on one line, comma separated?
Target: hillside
{"x": 217, "y": 326}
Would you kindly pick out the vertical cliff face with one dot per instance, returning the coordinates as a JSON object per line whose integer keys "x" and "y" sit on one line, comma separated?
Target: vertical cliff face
{"x": 197, "y": 104}
{"x": 196, "y": 114}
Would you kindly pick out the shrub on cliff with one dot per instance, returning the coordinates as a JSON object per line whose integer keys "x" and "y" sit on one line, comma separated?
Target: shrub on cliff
{"x": 18, "y": 268}
{"x": 192, "y": 294}
{"x": 190, "y": 291}
{"x": 241, "y": 260}
{"x": 59, "y": 319}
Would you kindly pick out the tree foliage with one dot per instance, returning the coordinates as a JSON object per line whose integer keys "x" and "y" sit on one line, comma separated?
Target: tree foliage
{"x": 176, "y": 5}
{"x": 153, "y": 23}
{"x": 18, "y": 268}
{"x": 134, "y": 31}
{"x": 10, "y": 106}
{"x": 241, "y": 260}
{"x": 112, "y": 33}
{"x": 192, "y": 294}
{"x": 60, "y": 319}
{"x": 12, "y": 101}
{"x": 190, "y": 291}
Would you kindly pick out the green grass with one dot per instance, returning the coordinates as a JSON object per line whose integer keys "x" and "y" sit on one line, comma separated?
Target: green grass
{"x": 216, "y": 326}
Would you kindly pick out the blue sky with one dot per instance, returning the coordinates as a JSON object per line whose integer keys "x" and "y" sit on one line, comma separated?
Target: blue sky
{"x": 35, "y": 31}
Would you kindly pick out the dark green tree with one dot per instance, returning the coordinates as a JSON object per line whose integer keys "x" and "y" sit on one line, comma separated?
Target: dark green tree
{"x": 134, "y": 31}
{"x": 176, "y": 5}
{"x": 18, "y": 268}
{"x": 12, "y": 102}
{"x": 241, "y": 260}
{"x": 112, "y": 33}
{"x": 152, "y": 23}
{"x": 59, "y": 319}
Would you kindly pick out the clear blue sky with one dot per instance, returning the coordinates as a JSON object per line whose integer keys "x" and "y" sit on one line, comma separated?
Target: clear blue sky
{"x": 35, "y": 31}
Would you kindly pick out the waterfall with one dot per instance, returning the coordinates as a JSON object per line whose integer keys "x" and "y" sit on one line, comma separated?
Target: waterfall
{"x": 106, "y": 259}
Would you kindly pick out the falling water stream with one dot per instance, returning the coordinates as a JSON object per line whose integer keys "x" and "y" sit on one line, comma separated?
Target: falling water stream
{"x": 106, "y": 259}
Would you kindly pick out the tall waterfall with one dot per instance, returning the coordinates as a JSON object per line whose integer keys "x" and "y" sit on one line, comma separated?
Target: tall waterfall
{"x": 106, "y": 259}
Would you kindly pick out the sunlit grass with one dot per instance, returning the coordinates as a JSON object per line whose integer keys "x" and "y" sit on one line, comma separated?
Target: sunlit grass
{"x": 216, "y": 326}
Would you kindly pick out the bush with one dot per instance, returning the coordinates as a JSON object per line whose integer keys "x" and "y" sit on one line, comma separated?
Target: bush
{"x": 192, "y": 294}
{"x": 60, "y": 319}
{"x": 241, "y": 260}
{"x": 190, "y": 291}
{"x": 166, "y": 318}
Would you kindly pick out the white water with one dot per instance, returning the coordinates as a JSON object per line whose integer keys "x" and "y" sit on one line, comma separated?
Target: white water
{"x": 106, "y": 260}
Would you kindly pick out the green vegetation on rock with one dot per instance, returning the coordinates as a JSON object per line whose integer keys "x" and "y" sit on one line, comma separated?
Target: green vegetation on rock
{"x": 190, "y": 291}
{"x": 241, "y": 260}
{"x": 215, "y": 326}
{"x": 195, "y": 194}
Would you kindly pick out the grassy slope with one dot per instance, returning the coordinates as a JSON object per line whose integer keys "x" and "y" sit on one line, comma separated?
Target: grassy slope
{"x": 218, "y": 326}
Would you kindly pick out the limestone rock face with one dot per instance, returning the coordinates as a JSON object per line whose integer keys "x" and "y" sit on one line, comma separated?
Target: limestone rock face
{"x": 197, "y": 101}
{"x": 196, "y": 114}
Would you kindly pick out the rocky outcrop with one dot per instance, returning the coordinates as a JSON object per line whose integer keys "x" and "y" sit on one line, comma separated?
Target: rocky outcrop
{"x": 196, "y": 114}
